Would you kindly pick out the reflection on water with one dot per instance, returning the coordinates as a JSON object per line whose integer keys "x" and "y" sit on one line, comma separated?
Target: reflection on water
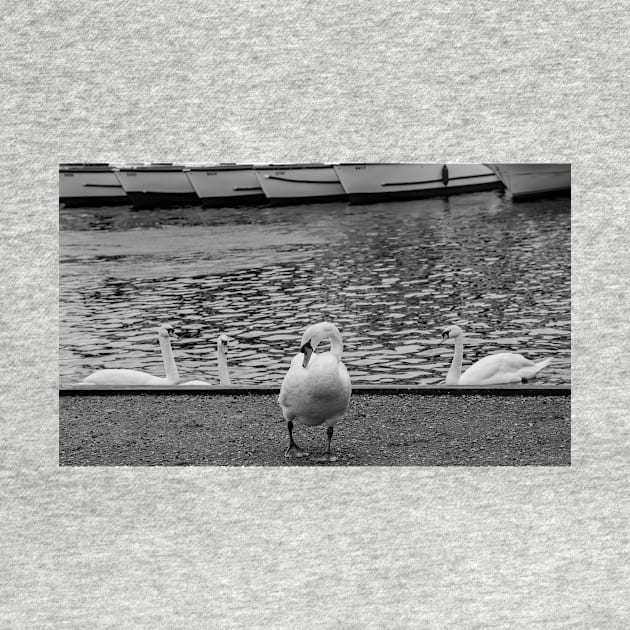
{"x": 389, "y": 275}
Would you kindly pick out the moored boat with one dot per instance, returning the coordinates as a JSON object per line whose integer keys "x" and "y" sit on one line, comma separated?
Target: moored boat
{"x": 89, "y": 184}
{"x": 370, "y": 182}
{"x": 529, "y": 180}
{"x": 226, "y": 185}
{"x": 300, "y": 183}
{"x": 157, "y": 185}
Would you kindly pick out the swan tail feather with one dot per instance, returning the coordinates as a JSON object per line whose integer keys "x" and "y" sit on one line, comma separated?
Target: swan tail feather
{"x": 543, "y": 364}
{"x": 534, "y": 369}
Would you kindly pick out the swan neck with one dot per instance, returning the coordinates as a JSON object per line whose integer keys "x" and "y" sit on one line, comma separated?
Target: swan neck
{"x": 336, "y": 344}
{"x": 454, "y": 372}
{"x": 224, "y": 375}
{"x": 169, "y": 362}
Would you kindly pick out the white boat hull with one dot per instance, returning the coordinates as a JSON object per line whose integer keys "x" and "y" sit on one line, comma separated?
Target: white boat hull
{"x": 226, "y": 185}
{"x": 300, "y": 183}
{"x": 380, "y": 182}
{"x": 90, "y": 185}
{"x": 157, "y": 186}
{"x": 534, "y": 180}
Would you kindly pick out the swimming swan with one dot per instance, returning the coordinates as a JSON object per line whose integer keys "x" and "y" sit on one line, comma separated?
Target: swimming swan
{"x": 135, "y": 377}
{"x": 505, "y": 367}
{"x": 316, "y": 389}
{"x": 224, "y": 375}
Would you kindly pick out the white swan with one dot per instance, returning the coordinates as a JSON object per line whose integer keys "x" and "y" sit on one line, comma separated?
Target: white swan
{"x": 316, "y": 389}
{"x": 505, "y": 367}
{"x": 121, "y": 377}
{"x": 224, "y": 375}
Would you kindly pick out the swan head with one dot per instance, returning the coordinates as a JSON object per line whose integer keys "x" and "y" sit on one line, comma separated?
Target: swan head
{"x": 451, "y": 332}
{"x": 223, "y": 343}
{"x": 312, "y": 337}
{"x": 166, "y": 331}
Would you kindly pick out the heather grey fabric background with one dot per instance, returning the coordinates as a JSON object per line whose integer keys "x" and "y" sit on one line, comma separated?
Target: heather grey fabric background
{"x": 275, "y": 548}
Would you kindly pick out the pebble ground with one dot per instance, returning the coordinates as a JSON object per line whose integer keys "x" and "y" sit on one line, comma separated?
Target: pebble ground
{"x": 378, "y": 430}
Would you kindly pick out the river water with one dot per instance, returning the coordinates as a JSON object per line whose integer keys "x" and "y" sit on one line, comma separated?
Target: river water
{"x": 389, "y": 275}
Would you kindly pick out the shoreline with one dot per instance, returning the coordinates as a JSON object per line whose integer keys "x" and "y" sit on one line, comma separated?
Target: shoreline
{"x": 247, "y": 429}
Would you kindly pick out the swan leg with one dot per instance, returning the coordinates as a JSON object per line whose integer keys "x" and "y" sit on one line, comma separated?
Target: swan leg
{"x": 294, "y": 450}
{"x": 328, "y": 456}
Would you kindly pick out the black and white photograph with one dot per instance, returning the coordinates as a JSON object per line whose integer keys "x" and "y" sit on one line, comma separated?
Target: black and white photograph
{"x": 314, "y": 315}
{"x": 346, "y": 314}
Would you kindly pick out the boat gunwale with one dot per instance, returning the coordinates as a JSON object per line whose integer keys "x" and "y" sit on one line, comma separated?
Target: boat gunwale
{"x": 292, "y": 167}
{"x": 222, "y": 167}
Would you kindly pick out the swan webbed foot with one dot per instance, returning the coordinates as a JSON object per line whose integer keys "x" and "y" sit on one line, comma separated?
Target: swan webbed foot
{"x": 295, "y": 451}
{"x": 326, "y": 457}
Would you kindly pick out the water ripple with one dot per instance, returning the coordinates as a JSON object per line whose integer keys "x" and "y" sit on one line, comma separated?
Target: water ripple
{"x": 389, "y": 275}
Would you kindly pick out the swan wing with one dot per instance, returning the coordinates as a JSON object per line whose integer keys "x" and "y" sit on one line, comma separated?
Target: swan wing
{"x": 319, "y": 393}
{"x": 505, "y": 367}
{"x": 122, "y": 377}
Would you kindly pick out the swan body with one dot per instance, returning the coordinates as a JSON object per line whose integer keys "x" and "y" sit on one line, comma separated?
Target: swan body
{"x": 224, "y": 375}
{"x": 194, "y": 383}
{"x": 495, "y": 369}
{"x": 316, "y": 389}
{"x": 124, "y": 377}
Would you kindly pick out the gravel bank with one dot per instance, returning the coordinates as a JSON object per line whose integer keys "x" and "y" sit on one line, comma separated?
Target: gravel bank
{"x": 389, "y": 430}
{"x": 383, "y": 430}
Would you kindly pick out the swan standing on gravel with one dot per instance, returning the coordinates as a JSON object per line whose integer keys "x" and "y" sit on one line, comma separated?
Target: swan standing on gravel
{"x": 505, "y": 367}
{"x": 224, "y": 375}
{"x": 122, "y": 377}
{"x": 316, "y": 389}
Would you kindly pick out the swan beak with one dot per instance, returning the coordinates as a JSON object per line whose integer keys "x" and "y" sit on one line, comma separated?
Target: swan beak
{"x": 172, "y": 335}
{"x": 444, "y": 338}
{"x": 307, "y": 351}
